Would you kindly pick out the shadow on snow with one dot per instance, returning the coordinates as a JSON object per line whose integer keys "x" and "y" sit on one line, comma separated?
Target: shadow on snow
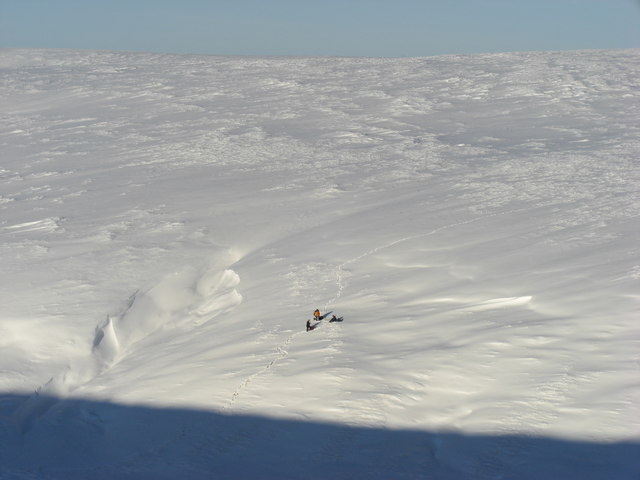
{"x": 79, "y": 439}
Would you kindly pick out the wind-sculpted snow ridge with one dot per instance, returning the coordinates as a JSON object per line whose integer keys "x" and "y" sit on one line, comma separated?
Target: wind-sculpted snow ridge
{"x": 180, "y": 297}
{"x": 187, "y": 297}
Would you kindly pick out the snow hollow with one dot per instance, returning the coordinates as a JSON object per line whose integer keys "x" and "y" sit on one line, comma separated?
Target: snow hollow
{"x": 169, "y": 223}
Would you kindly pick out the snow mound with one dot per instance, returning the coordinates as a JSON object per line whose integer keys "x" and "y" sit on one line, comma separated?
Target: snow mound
{"x": 186, "y": 297}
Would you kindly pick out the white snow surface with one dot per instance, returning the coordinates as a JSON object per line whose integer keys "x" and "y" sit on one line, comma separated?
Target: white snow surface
{"x": 168, "y": 224}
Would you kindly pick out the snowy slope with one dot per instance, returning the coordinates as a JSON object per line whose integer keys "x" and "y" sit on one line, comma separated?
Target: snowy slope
{"x": 168, "y": 224}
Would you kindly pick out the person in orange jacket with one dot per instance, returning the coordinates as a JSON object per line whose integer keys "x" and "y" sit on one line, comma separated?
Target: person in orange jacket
{"x": 316, "y": 315}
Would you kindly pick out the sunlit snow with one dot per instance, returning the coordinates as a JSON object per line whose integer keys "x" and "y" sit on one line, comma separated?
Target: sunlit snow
{"x": 169, "y": 223}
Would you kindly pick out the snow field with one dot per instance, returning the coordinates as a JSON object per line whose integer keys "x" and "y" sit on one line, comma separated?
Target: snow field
{"x": 168, "y": 224}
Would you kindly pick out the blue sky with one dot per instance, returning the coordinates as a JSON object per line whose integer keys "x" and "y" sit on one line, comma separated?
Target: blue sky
{"x": 375, "y": 28}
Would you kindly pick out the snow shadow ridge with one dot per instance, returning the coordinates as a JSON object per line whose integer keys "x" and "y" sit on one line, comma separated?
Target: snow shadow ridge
{"x": 188, "y": 296}
{"x": 191, "y": 296}
{"x": 78, "y": 439}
